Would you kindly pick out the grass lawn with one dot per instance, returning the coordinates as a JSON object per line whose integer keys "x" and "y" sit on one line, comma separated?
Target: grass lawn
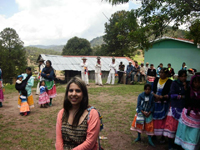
{"x": 116, "y": 103}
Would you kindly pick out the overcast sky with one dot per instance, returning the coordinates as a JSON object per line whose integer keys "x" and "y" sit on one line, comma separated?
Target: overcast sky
{"x": 53, "y": 22}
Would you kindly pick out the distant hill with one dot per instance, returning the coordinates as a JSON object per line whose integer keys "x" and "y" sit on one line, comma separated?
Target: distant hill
{"x": 33, "y": 53}
{"x": 97, "y": 41}
{"x": 57, "y": 48}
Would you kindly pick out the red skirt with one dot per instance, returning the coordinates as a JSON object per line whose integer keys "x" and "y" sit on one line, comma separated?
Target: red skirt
{"x": 52, "y": 93}
{"x": 170, "y": 126}
{"x": 159, "y": 126}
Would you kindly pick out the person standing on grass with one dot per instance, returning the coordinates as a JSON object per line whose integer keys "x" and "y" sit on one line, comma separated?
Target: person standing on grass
{"x": 112, "y": 72}
{"x": 49, "y": 76}
{"x": 188, "y": 131}
{"x": 120, "y": 72}
{"x": 28, "y": 88}
{"x": 77, "y": 128}
{"x": 43, "y": 98}
{"x": 24, "y": 109}
{"x": 1, "y": 89}
{"x": 151, "y": 74}
{"x": 98, "y": 80}
{"x": 84, "y": 71}
{"x": 161, "y": 89}
{"x": 143, "y": 120}
{"x": 142, "y": 71}
{"x": 177, "y": 102}
{"x": 41, "y": 66}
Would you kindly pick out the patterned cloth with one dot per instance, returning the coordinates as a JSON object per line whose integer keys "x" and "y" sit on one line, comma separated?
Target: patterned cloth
{"x": 73, "y": 136}
{"x": 171, "y": 123}
{"x": 188, "y": 132}
{"x": 30, "y": 101}
{"x": 147, "y": 127}
{"x": 24, "y": 105}
{"x": 43, "y": 98}
{"x": 1, "y": 92}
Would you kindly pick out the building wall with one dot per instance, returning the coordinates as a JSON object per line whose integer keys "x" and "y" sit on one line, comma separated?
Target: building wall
{"x": 174, "y": 52}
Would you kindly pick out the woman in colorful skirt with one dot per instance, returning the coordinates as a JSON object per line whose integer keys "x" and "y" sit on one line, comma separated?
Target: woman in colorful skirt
{"x": 188, "y": 132}
{"x": 43, "y": 98}
{"x": 1, "y": 89}
{"x": 177, "y": 103}
{"x": 49, "y": 75}
{"x": 24, "y": 109}
{"x": 143, "y": 120}
{"x": 28, "y": 88}
{"x": 161, "y": 88}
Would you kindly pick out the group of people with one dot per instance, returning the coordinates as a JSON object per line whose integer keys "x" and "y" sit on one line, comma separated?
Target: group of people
{"x": 46, "y": 88}
{"x": 170, "y": 109}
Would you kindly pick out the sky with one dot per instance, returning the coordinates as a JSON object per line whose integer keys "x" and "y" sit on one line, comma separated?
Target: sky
{"x": 53, "y": 22}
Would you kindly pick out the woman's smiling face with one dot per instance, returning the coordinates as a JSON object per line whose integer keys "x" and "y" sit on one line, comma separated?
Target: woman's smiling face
{"x": 75, "y": 95}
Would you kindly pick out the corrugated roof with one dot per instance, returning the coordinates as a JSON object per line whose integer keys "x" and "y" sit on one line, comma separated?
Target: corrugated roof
{"x": 73, "y": 62}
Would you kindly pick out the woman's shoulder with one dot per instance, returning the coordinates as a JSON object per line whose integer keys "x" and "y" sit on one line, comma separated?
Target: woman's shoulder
{"x": 60, "y": 113}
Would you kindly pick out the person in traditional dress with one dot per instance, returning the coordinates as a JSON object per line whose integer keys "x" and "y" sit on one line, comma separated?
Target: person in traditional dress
{"x": 28, "y": 88}
{"x": 142, "y": 71}
{"x": 113, "y": 71}
{"x": 177, "y": 102}
{"x": 84, "y": 71}
{"x": 161, "y": 89}
{"x": 188, "y": 131}
{"x": 145, "y": 106}
{"x": 77, "y": 125}
{"x": 49, "y": 76}
{"x": 44, "y": 97}
{"x": 24, "y": 109}
{"x": 98, "y": 80}
{"x": 41, "y": 66}
{"x": 1, "y": 89}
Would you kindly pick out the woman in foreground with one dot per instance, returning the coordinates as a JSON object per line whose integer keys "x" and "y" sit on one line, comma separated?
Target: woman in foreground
{"x": 75, "y": 128}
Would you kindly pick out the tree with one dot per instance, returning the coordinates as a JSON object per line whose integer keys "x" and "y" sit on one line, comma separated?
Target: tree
{"x": 156, "y": 15}
{"x": 194, "y": 32}
{"x": 120, "y": 34}
{"x": 13, "y": 59}
{"x": 77, "y": 46}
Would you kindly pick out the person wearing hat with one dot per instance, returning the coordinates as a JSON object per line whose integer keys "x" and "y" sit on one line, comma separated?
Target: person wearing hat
{"x": 129, "y": 71}
{"x": 41, "y": 66}
{"x": 98, "y": 80}
{"x": 121, "y": 71}
{"x": 1, "y": 89}
{"x": 84, "y": 71}
{"x": 112, "y": 72}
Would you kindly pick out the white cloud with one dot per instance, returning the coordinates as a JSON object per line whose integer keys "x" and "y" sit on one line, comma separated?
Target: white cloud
{"x": 54, "y": 22}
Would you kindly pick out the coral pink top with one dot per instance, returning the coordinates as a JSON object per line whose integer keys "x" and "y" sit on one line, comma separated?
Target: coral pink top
{"x": 92, "y": 132}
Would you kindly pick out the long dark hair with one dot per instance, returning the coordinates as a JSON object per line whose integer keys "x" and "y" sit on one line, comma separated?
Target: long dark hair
{"x": 84, "y": 103}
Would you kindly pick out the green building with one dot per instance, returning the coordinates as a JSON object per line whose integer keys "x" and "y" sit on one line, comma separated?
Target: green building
{"x": 175, "y": 51}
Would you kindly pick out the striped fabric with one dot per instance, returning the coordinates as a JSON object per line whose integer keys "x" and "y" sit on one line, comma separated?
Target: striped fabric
{"x": 73, "y": 136}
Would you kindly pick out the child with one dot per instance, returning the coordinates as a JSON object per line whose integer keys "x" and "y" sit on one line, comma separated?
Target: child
{"x": 143, "y": 120}
{"x": 24, "y": 109}
{"x": 188, "y": 132}
{"x": 21, "y": 85}
{"x": 43, "y": 98}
